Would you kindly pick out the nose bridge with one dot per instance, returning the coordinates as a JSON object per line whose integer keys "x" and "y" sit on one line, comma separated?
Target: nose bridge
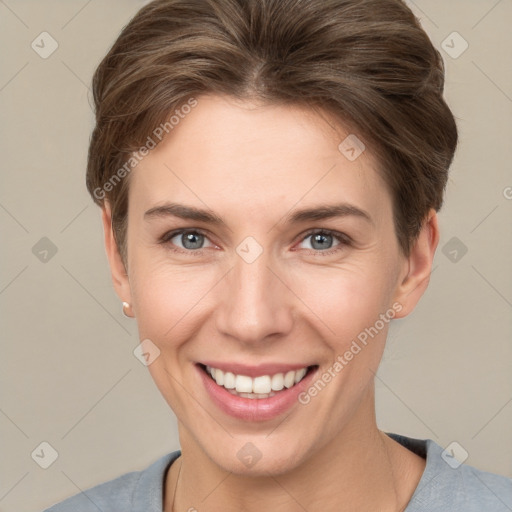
{"x": 256, "y": 304}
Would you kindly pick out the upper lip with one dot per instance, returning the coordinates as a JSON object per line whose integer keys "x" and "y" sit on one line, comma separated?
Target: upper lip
{"x": 254, "y": 370}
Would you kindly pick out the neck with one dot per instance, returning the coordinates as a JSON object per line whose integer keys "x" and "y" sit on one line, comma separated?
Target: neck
{"x": 360, "y": 468}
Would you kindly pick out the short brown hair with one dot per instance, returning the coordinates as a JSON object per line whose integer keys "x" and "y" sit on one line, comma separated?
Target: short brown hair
{"x": 368, "y": 63}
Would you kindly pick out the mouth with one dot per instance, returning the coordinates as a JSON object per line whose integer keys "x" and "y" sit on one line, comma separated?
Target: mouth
{"x": 266, "y": 393}
{"x": 257, "y": 387}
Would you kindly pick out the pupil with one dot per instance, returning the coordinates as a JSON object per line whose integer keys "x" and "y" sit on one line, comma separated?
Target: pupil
{"x": 192, "y": 240}
{"x": 322, "y": 240}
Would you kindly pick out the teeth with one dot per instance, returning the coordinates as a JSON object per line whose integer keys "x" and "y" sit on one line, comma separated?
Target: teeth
{"x": 277, "y": 382}
{"x": 289, "y": 379}
{"x": 243, "y": 384}
{"x": 255, "y": 395}
{"x": 259, "y": 387}
{"x": 262, "y": 385}
{"x": 229, "y": 379}
{"x": 299, "y": 375}
{"x": 218, "y": 376}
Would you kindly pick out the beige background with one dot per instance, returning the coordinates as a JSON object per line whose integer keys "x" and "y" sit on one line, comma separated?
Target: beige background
{"x": 68, "y": 373}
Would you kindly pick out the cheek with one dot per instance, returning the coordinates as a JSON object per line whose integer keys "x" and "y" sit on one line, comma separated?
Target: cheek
{"x": 344, "y": 301}
{"x": 170, "y": 304}
{"x": 167, "y": 297}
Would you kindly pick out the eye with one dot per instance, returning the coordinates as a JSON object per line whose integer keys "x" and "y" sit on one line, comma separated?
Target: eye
{"x": 325, "y": 241}
{"x": 187, "y": 240}
{"x": 322, "y": 242}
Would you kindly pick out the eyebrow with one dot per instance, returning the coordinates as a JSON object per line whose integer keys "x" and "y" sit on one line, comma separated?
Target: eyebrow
{"x": 328, "y": 212}
{"x": 184, "y": 212}
{"x": 310, "y": 214}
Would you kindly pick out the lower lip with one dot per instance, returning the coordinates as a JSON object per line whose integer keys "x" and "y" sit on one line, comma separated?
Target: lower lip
{"x": 254, "y": 409}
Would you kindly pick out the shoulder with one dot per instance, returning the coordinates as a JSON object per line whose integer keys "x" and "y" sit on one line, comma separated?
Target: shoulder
{"x": 490, "y": 489}
{"x": 463, "y": 488}
{"x": 446, "y": 484}
{"x": 134, "y": 491}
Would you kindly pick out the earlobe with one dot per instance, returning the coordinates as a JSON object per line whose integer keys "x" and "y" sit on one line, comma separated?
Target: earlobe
{"x": 418, "y": 266}
{"x": 117, "y": 267}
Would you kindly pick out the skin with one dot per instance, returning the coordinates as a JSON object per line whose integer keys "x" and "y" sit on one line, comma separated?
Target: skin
{"x": 252, "y": 165}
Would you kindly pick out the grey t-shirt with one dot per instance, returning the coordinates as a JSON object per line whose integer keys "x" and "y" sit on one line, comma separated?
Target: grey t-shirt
{"x": 443, "y": 487}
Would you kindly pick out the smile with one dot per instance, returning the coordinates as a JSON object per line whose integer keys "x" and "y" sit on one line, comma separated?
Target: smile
{"x": 263, "y": 386}
{"x": 254, "y": 393}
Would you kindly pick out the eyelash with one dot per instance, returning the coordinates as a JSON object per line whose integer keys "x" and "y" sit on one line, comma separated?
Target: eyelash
{"x": 343, "y": 239}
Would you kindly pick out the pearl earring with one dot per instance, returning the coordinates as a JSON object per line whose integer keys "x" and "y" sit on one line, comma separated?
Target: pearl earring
{"x": 125, "y": 306}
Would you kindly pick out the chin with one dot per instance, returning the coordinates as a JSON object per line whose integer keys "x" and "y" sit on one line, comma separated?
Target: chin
{"x": 271, "y": 460}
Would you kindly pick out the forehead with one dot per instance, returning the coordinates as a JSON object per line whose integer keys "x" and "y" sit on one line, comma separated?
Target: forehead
{"x": 250, "y": 155}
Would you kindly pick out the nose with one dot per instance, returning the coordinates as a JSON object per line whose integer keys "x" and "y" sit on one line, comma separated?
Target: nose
{"x": 256, "y": 305}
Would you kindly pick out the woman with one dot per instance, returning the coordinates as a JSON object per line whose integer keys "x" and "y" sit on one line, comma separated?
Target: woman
{"x": 269, "y": 173}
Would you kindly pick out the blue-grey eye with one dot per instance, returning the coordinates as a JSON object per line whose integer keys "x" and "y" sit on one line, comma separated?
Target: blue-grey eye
{"x": 191, "y": 240}
{"x": 321, "y": 241}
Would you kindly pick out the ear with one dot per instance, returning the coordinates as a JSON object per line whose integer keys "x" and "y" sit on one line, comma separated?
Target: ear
{"x": 117, "y": 268}
{"x": 418, "y": 266}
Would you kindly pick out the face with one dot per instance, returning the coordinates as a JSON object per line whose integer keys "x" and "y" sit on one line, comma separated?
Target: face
{"x": 257, "y": 248}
